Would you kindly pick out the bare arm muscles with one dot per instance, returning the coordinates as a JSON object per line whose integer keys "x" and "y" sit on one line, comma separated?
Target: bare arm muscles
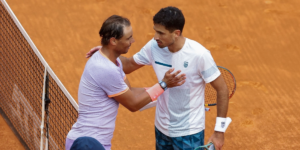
{"x": 222, "y": 106}
{"x": 129, "y": 65}
{"x": 222, "y": 96}
{"x": 136, "y": 98}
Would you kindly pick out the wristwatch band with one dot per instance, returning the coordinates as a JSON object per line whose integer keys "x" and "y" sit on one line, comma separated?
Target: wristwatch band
{"x": 163, "y": 85}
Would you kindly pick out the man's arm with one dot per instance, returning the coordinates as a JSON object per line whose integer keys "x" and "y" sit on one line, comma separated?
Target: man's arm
{"x": 136, "y": 98}
{"x": 222, "y": 107}
{"x": 222, "y": 96}
{"x": 129, "y": 65}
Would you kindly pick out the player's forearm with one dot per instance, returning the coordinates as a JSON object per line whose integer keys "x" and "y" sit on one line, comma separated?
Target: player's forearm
{"x": 125, "y": 62}
{"x": 137, "y": 91}
{"x": 129, "y": 65}
{"x": 141, "y": 99}
{"x": 222, "y": 103}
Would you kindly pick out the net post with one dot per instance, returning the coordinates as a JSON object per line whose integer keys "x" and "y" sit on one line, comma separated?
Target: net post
{"x": 43, "y": 109}
{"x": 47, "y": 102}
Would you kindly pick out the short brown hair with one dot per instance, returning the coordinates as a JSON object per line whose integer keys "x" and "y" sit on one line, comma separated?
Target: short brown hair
{"x": 113, "y": 27}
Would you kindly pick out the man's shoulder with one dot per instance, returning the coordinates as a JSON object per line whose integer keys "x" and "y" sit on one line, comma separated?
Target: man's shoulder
{"x": 196, "y": 48}
{"x": 195, "y": 45}
{"x": 100, "y": 64}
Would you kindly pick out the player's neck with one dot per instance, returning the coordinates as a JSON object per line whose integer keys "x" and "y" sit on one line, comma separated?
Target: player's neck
{"x": 177, "y": 45}
{"x": 110, "y": 54}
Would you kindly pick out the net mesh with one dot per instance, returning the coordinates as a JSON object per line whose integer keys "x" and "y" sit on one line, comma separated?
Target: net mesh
{"x": 211, "y": 93}
{"x": 62, "y": 115}
{"x": 21, "y": 90}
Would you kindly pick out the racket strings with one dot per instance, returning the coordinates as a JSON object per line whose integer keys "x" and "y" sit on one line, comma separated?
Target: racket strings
{"x": 229, "y": 80}
{"x": 210, "y": 92}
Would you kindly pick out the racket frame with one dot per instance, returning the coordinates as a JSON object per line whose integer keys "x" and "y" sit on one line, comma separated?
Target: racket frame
{"x": 204, "y": 146}
{"x": 233, "y": 91}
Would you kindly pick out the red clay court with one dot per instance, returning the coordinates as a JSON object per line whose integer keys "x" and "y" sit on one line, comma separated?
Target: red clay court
{"x": 257, "y": 40}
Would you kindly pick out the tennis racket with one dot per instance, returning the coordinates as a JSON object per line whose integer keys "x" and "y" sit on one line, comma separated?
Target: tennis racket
{"x": 208, "y": 146}
{"x": 211, "y": 93}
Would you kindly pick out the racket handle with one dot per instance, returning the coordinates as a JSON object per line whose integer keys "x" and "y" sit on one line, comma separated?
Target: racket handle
{"x": 212, "y": 147}
{"x": 207, "y": 109}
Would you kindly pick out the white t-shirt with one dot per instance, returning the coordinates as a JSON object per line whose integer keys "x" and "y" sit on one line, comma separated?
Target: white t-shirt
{"x": 180, "y": 110}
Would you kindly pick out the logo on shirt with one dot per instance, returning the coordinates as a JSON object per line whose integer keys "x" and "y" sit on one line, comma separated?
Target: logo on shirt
{"x": 222, "y": 124}
{"x": 185, "y": 64}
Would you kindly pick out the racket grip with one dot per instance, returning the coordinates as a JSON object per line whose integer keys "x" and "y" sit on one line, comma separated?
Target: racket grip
{"x": 212, "y": 147}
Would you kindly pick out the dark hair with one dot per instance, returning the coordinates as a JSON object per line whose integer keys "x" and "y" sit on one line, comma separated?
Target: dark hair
{"x": 170, "y": 17}
{"x": 113, "y": 27}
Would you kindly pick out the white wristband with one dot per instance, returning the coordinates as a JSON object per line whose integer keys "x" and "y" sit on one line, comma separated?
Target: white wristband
{"x": 222, "y": 124}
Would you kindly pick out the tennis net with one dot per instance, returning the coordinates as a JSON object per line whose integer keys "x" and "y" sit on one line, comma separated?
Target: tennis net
{"x": 26, "y": 81}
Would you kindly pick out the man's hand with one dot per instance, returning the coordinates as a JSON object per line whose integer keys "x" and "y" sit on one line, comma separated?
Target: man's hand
{"x": 174, "y": 79}
{"x": 92, "y": 51}
{"x": 217, "y": 139}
